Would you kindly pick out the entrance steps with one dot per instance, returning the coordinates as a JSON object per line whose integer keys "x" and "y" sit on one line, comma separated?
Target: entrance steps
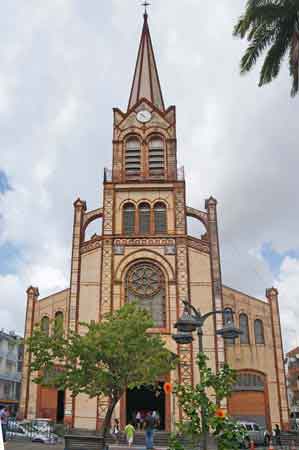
{"x": 134, "y": 447}
{"x": 161, "y": 439}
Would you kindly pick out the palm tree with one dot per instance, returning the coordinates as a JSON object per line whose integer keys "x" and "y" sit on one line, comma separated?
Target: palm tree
{"x": 272, "y": 24}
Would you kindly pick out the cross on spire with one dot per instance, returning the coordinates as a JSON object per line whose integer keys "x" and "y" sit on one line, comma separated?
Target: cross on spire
{"x": 145, "y": 4}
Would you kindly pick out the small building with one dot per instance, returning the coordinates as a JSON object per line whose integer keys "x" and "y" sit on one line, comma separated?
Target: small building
{"x": 292, "y": 361}
{"x": 144, "y": 250}
{"x": 11, "y": 359}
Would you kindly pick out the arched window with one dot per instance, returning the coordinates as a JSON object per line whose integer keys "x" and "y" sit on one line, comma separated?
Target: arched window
{"x": 132, "y": 156}
{"x": 144, "y": 210}
{"x": 156, "y": 156}
{"x": 249, "y": 381}
{"x": 58, "y": 322}
{"x": 129, "y": 218}
{"x": 145, "y": 284}
{"x": 160, "y": 218}
{"x": 228, "y": 317}
{"x": 244, "y": 338}
{"x": 45, "y": 325}
{"x": 259, "y": 332}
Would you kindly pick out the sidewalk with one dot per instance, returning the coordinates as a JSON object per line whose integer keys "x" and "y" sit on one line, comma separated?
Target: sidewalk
{"x": 28, "y": 445}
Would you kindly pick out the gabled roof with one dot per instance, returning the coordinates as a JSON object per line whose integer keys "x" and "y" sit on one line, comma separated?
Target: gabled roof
{"x": 146, "y": 82}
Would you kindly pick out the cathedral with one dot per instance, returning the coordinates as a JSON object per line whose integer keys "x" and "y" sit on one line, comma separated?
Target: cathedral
{"x": 143, "y": 251}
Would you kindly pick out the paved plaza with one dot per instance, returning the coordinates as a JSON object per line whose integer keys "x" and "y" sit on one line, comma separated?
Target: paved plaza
{"x": 27, "y": 445}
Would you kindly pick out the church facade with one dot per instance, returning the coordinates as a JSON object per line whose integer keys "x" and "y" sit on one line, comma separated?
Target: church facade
{"x": 143, "y": 252}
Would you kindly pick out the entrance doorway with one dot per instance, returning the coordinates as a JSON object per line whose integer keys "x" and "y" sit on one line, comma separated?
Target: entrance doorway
{"x": 146, "y": 399}
{"x": 60, "y": 406}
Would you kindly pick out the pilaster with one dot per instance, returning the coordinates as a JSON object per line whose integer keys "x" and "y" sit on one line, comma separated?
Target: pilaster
{"x": 283, "y": 419}
{"x": 211, "y": 207}
{"x": 27, "y": 406}
{"x": 79, "y": 209}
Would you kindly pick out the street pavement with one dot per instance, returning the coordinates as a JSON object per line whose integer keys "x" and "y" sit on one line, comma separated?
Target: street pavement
{"x": 28, "y": 445}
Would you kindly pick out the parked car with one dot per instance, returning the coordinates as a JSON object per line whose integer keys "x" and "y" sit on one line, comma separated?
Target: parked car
{"x": 45, "y": 438}
{"x": 27, "y": 430}
{"x": 17, "y": 430}
{"x": 254, "y": 432}
{"x": 43, "y": 425}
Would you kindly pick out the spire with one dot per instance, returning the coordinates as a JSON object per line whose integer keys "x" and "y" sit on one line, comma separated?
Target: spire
{"x": 146, "y": 82}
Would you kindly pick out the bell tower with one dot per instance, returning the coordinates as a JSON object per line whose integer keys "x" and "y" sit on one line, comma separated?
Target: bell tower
{"x": 144, "y": 137}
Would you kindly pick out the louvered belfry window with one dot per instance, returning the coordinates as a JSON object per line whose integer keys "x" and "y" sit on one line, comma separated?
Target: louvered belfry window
{"x": 132, "y": 157}
{"x": 156, "y": 156}
{"x": 144, "y": 218}
{"x": 129, "y": 218}
{"x": 160, "y": 218}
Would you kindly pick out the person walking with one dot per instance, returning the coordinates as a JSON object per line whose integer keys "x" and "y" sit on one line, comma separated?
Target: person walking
{"x": 115, "y": 431}
{"x": 130, "y": 433}
{"x": 138, "y": 420}
{"x": 4, "y": 421}
{"x": 149, "y": 426}
{"x": 277, "y": 434}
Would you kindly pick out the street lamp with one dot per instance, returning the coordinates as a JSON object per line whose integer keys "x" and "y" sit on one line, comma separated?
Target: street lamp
{"x": 192, "y": 320}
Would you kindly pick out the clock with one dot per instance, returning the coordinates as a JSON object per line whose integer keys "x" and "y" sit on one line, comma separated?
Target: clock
{"x": 144, "y": 116}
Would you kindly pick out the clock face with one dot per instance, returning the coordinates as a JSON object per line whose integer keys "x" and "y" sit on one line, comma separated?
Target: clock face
{"x": 143, "y": 116}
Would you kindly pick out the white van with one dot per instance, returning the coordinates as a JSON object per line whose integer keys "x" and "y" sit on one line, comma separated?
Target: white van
{"x": 254, "y": 432}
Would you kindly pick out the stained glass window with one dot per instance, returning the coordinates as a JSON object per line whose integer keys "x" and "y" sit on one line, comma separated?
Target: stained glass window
{"x": 249, "y": 381}
{"x": 259, "y": 332}
{"x": 160, "y": 218}
{"x": 244, "y": 338}
{"x": 145, "y": 284}
{"x": 129, "y": 218}
{"x": 45, "y": 325}
{"x": 58, "y": 323}
{"x": 144, "y": 218}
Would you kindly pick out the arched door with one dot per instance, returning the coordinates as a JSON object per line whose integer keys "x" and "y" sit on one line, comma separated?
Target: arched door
{"x": 249, "y": 399}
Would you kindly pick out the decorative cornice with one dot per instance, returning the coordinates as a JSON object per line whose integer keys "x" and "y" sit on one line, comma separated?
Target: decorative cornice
{"x": 94, "y": 243}
{"x": 198, "y": 244}
{"x": 134, "y": 242}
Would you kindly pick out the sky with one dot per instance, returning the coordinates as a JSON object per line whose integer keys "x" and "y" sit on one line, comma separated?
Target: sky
{"x": 66, "y": 63}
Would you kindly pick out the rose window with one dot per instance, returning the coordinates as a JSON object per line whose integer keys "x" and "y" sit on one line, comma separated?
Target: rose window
{"x": 145, "y": 280}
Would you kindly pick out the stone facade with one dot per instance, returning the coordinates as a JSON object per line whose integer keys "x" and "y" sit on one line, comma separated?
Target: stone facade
{"x": 144, "y": 227}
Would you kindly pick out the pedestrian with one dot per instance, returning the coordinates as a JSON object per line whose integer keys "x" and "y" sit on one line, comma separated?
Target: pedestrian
{"x": 156, "y": 417}
{"x": 277, "y": 435}
{"x": 4, "y": 420}
{"x": 149, "y": 426}
{"x": 115, "y": 431}
{"x": 138, "y": 420}
{"x": 130, "y": 433}
{"x": 267, "y": 438}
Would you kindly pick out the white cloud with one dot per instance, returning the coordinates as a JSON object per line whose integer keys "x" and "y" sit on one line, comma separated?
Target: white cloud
{"x": 288, "y": 285}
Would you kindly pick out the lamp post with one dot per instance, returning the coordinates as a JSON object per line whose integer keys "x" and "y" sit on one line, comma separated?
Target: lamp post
{"x": 192, "y": 320}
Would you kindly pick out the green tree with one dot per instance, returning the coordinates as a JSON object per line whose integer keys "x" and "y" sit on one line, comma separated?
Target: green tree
{"x": 110, "y": 357}
{"x": 272, "y": 24}
{"x": 203, "y": 400}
